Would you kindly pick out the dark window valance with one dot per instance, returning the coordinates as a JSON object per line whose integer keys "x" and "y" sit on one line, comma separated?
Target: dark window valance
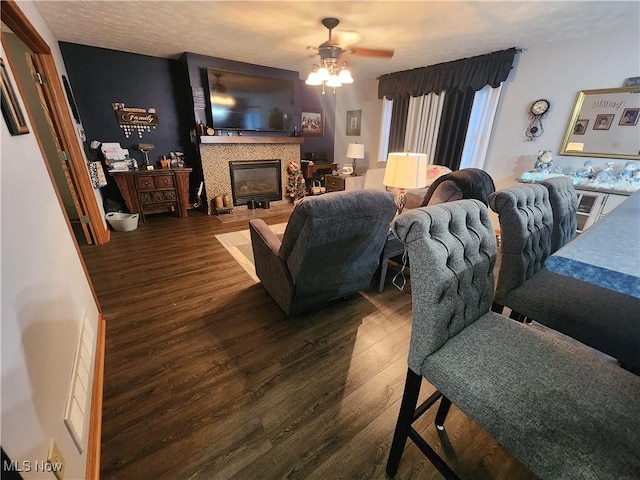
{"x": 475, "y": 72}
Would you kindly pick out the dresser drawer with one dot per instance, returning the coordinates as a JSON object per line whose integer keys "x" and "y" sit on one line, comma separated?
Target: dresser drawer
{"x": 160, "y": 207}
{"x": 333, "y": 183}
{"x": 164, "y": 181}
{"x": 145, "y": 182}
{"x": 157, "y": 196}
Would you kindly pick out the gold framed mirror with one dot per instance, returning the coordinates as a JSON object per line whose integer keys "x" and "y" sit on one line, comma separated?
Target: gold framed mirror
{"x": 604, "y": 123}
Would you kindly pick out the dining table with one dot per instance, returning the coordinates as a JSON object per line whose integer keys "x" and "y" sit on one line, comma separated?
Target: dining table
{"x": 607, "y": 254}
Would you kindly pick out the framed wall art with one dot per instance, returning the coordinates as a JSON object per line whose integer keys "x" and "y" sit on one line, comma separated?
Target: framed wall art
{"x": 354, "y": 118}
{"x": 11, "y": 109}
{"x": 581, "y": 126}
{"x": 629, "y": 117}
{"x": 603, "y": 121}
{"x": 312, "y": 122}
{"x": 605, "y": 124}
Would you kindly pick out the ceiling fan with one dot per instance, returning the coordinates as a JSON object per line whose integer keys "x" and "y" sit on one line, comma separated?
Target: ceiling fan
{"x": 332, "y": 50}
{"x": 330, "y": 72}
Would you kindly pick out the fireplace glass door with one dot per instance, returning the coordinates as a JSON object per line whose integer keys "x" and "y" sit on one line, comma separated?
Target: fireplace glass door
{"x": 255, "y": 180}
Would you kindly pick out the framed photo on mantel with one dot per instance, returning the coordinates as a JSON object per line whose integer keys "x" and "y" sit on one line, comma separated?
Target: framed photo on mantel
{"x": 312, "y": 122}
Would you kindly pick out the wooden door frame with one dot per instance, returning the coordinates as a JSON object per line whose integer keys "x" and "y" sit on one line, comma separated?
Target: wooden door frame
{"x": 13, "y": 17}
{"x": 20, "y": 25}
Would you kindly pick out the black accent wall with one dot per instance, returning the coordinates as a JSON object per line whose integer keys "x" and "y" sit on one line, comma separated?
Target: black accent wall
{"x": 100, "y": 77}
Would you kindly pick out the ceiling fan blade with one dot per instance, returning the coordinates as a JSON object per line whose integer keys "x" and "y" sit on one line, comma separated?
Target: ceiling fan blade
{"x": 371, "y": 52}
{"x": 346, "y": 38}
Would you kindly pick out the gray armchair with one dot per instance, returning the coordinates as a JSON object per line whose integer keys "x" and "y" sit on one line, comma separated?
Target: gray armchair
{"x": 330, "y": 248}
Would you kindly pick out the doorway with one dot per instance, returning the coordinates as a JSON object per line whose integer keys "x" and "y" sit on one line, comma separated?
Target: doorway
{"x": 37, "y": 80}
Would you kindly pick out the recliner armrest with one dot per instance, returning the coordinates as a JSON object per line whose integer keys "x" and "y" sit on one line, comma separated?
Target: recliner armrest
{"x": 269, "y": 238}
{"x": 270, "y": 268}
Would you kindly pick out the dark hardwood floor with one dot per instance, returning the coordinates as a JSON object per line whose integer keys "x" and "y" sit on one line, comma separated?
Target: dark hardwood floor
{"x": 206, "y": 378}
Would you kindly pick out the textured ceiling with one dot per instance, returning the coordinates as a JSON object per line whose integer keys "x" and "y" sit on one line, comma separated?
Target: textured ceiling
{"x": 277, "y": 34}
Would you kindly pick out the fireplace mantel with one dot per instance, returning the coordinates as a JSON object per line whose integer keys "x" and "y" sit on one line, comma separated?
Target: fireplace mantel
{"x": 249, "y": 139}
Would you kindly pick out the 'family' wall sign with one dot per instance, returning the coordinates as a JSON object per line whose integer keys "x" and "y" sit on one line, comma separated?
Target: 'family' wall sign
{"x": 133, "y": 119}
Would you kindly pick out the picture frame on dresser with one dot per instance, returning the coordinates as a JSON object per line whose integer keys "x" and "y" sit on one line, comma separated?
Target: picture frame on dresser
{"x": 312, "y": 122}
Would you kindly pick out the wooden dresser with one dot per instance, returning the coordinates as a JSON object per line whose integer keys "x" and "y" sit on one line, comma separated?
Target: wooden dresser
{"x": 154, "y": 191}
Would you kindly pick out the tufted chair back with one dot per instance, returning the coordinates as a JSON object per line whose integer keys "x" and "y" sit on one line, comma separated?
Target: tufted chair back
{"x": 564, "y": 204}
{"x": 452, "y": 249}
{"x": 526, "y": 222}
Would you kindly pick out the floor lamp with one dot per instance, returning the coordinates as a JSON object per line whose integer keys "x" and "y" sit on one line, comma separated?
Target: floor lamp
{"x": 356, "y": 152}
{"x": 405, "y": 170}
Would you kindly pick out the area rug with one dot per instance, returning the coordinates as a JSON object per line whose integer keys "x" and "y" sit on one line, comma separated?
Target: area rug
{"x": 238, "y": 244}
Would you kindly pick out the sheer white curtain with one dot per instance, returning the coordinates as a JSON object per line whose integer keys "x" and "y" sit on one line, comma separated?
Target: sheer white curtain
{"x": 423, "y": 124}
{"x": 385, "y": 128}
{"x": 483, "y": 112}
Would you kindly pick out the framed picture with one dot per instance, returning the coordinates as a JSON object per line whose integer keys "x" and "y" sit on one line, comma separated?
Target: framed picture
{"x": 581, "y": 126}
{"x": 629, "y": 117}
{"x": 603, "y": 121}
{"x": 11, "y": 106}
{"x": 354, "y": 118}
{"x": 312, "y": 122}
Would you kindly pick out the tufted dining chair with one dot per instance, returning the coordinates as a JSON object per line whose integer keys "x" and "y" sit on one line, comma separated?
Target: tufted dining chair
{"x": 564, "y": 205}
{"x": 531, "y": 291}
{"x": 561, "y": 411}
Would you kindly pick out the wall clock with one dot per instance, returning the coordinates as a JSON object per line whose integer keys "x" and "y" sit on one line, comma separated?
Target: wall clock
{"x": 538, "y": 111}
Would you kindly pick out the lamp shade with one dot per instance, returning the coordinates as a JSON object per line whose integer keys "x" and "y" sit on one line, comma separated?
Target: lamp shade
{"x": 406, "y": 170}
{"x": 355, "y": 150}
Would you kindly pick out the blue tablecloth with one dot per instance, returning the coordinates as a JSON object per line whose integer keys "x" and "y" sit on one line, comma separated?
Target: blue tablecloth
{"x": 608, "y": 253}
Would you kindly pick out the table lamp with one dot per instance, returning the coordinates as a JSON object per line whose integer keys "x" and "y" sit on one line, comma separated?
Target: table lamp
{"x": 355, "y": 151}
{"x": 405, "y": 170}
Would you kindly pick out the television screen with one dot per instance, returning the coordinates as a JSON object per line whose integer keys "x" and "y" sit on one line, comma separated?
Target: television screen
{"x": 240, "y": 101}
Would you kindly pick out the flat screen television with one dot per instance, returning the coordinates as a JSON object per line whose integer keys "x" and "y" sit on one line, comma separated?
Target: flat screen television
{"x": 250, "y": 102}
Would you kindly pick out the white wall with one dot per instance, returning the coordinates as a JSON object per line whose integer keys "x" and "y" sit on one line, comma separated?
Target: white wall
{"x": 44, "y": 292}
{"x": 557, "y": 72}
{"x": 360, "y": 95}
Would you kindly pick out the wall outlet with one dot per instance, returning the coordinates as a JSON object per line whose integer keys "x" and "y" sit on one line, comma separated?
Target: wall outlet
{"x": 55, "y": 460}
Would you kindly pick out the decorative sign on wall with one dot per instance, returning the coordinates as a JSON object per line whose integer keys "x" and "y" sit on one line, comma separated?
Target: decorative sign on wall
{"x": 133, "y": 119}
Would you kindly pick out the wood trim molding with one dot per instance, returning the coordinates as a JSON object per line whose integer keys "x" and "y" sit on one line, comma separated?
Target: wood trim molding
{"x": 66, "y": 132}
{"x": 95, "y": 418}
{"x": 19, "y": 24}
{"x": 15, "y": 19}
{"x": 204, "y": 140}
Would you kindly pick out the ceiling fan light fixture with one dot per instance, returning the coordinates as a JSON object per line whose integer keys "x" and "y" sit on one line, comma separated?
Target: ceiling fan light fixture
{"x": 313, "y": 79}
{"x": 345, "y": 76}
{"x": 334, "y": 81}
{"x": 323, "y": 73}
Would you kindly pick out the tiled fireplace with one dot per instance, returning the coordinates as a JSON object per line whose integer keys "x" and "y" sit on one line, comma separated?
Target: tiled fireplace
{"x": 216, "y": 153}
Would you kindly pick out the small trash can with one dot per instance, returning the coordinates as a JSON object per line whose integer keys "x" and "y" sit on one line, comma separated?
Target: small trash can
{"x": 122, "y": 222}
